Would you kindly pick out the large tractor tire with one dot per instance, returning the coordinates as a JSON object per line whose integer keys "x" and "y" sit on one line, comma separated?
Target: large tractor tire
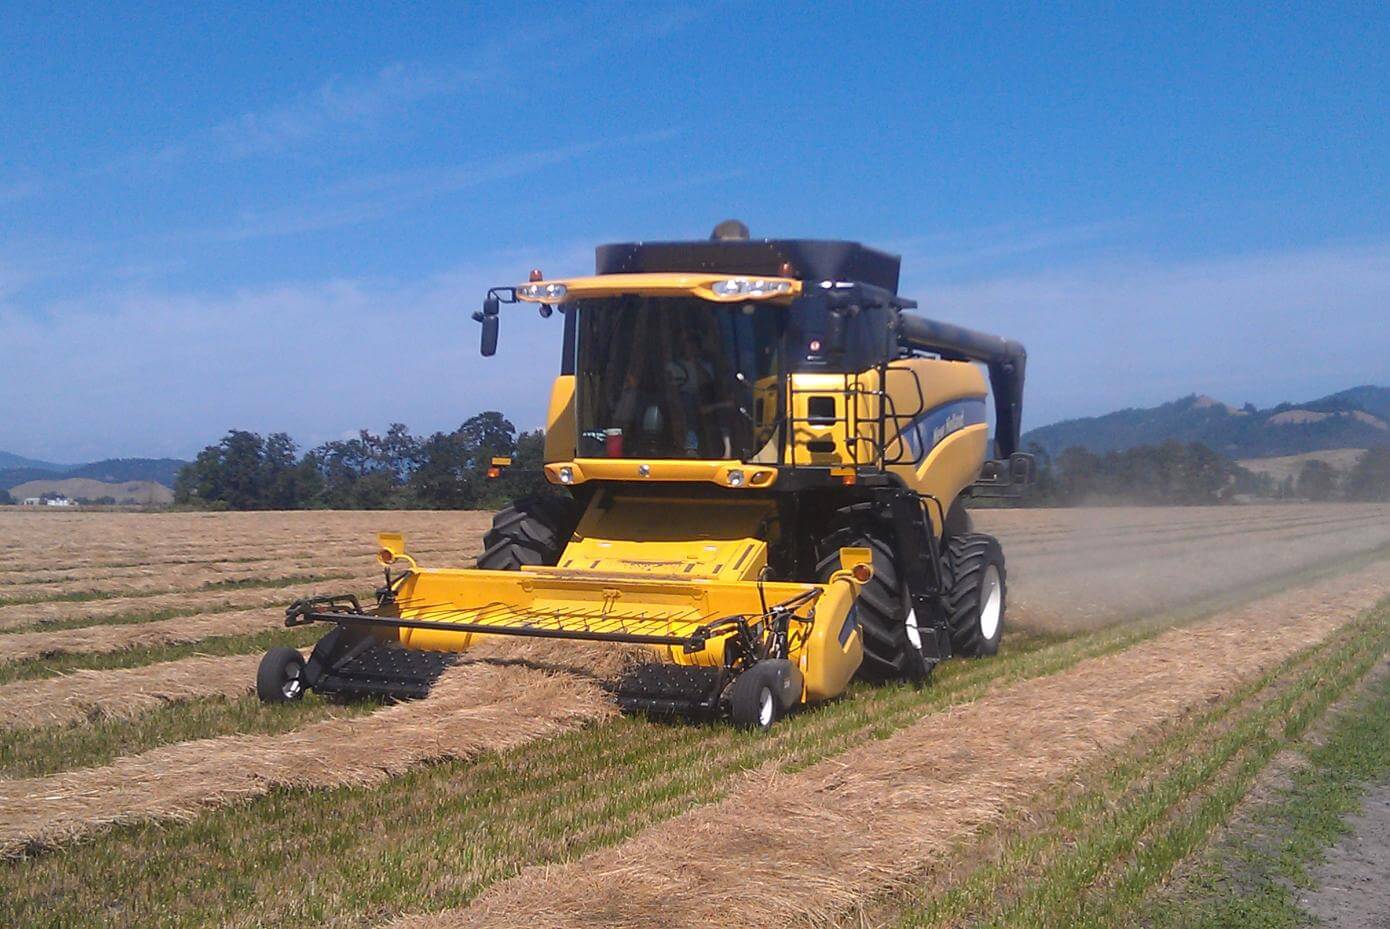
{"x": 882, "y": 606}
{"x": 975, "y": 594}
{"x": 531, "y": 531}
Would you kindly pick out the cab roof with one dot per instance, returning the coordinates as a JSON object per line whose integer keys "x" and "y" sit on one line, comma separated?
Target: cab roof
{"x": 799, "y": 259}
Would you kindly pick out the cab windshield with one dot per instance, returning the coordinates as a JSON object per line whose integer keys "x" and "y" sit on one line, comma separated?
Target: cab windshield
{"x": 676, "y": 377}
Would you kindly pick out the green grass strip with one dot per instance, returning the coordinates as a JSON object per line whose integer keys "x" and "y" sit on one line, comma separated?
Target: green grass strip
{"x": 1083, "y": 892}
{"x": 1025, "y": 858}
{"x": 136, "y": 617}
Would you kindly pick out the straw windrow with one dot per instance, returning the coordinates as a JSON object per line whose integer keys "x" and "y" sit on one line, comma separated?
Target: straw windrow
{"x": 474, "y": 708}
{"x": 125, "y": 692}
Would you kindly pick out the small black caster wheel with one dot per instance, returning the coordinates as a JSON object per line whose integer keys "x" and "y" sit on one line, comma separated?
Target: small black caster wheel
{"x": 280, "y": 678}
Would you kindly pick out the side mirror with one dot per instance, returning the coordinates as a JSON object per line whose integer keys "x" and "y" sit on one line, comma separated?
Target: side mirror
{"x": 488, "y": 317}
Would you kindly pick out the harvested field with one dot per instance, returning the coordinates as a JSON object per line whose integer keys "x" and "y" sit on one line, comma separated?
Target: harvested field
{"x": 915, "y": 794}
{"x": 511, "y": 794}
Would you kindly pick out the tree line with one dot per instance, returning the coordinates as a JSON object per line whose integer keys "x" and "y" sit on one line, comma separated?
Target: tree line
{"x": 1368, "y": 479}
{"x": 1176, "y": 473}
{"x": 448, "y": 470}
{"x": 395, "y": 470}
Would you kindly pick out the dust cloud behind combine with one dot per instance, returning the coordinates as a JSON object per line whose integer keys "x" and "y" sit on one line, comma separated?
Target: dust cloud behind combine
{"x": 1072, "y": 569}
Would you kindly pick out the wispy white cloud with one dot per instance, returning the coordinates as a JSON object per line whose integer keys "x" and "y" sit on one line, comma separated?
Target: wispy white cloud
{"x": 339, "y": 106}
{"x": 375, "y": 196}
{"x": 979, "y": 250}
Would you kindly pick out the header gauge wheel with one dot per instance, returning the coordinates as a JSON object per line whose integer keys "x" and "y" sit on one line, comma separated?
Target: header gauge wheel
{"x": 280, "y": 677}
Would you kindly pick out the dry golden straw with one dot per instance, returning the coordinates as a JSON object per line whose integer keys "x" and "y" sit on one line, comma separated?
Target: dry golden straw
{"x": 18, "y": 646}
{"x": 123, "y": 693}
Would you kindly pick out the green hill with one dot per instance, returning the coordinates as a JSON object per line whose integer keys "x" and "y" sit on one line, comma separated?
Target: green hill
{"x": 111, "y": 470}
{"x": 1356, "y": 418}
{"x": 10, "y": 461}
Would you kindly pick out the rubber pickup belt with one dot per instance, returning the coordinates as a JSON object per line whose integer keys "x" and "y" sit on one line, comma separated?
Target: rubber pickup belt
{"x": 669, "y": 689}
{"x": 386, "y": 671}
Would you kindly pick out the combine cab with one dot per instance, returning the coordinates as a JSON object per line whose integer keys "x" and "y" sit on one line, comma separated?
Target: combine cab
{"x": 760, "y": 461}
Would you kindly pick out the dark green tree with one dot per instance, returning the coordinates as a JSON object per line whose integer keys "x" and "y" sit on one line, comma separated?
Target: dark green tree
{"x": 486, "y": 436}
{"x": 444, "y": 477}
{"x": 243, "y": 477}
{"x": 199, "y": 483}
{"x": 1078, "y": 474}
{"x": 1370, "y": 477}
{"x": 1317, "y": 480}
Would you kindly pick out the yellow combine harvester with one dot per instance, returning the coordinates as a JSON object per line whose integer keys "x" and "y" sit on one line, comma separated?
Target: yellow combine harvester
{"x": 761, "y": 462}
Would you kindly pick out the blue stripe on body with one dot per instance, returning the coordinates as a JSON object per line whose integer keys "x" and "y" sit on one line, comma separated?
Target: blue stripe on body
{"x": 932, "y": 427}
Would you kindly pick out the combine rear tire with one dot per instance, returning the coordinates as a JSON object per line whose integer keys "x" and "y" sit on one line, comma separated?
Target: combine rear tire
{"x": 532, "y": 531}
{"x": 882, "y": 606}
{"x": 975, "y": 595}
{"x": 280, "y": 678}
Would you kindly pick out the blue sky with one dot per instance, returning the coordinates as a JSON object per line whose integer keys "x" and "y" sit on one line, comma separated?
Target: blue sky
{"x": 273, "y": 217}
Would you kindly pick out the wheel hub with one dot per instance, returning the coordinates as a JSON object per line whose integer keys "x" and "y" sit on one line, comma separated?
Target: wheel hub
{"x": 991, "y": 602}
{"x": 765, "y": 707}
{"x": 914, "y": 633}
{"x": 292, "y": 685}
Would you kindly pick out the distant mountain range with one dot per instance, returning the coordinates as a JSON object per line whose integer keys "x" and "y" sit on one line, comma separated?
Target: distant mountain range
{"x": 10, "y": 461}
{"x": 1355, "y": 418}
{"x": 16, "y": 470}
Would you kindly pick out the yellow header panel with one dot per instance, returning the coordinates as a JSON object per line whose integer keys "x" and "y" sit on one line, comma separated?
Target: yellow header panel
{"x": 774, "y": 289}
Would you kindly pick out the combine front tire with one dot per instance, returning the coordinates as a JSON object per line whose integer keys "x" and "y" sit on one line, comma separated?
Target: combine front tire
{"x": 882, "y": 605}
{"x": 531, "y": 531}
{"x": 280, "y": 678}
{"x": 975, "y": 594}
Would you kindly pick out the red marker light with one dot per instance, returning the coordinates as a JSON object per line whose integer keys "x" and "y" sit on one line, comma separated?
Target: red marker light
{"x": 814, "y": 347}
{"x": 536, "y": 275}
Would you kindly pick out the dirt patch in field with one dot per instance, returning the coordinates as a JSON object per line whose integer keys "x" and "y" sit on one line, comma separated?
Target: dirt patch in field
{"x": 124, "y": 693}
{"x": 474, "y": 708}
{"x": 1351, "y": 889}
{"x": 805, "y": 846}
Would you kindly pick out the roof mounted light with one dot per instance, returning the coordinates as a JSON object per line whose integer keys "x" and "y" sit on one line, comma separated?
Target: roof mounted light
{"x": 542, "y": 291}
{"x": 750, "y": 288}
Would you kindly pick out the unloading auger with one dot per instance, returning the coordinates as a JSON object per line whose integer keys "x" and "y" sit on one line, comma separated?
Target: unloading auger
{"x": 760, "y": 462}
